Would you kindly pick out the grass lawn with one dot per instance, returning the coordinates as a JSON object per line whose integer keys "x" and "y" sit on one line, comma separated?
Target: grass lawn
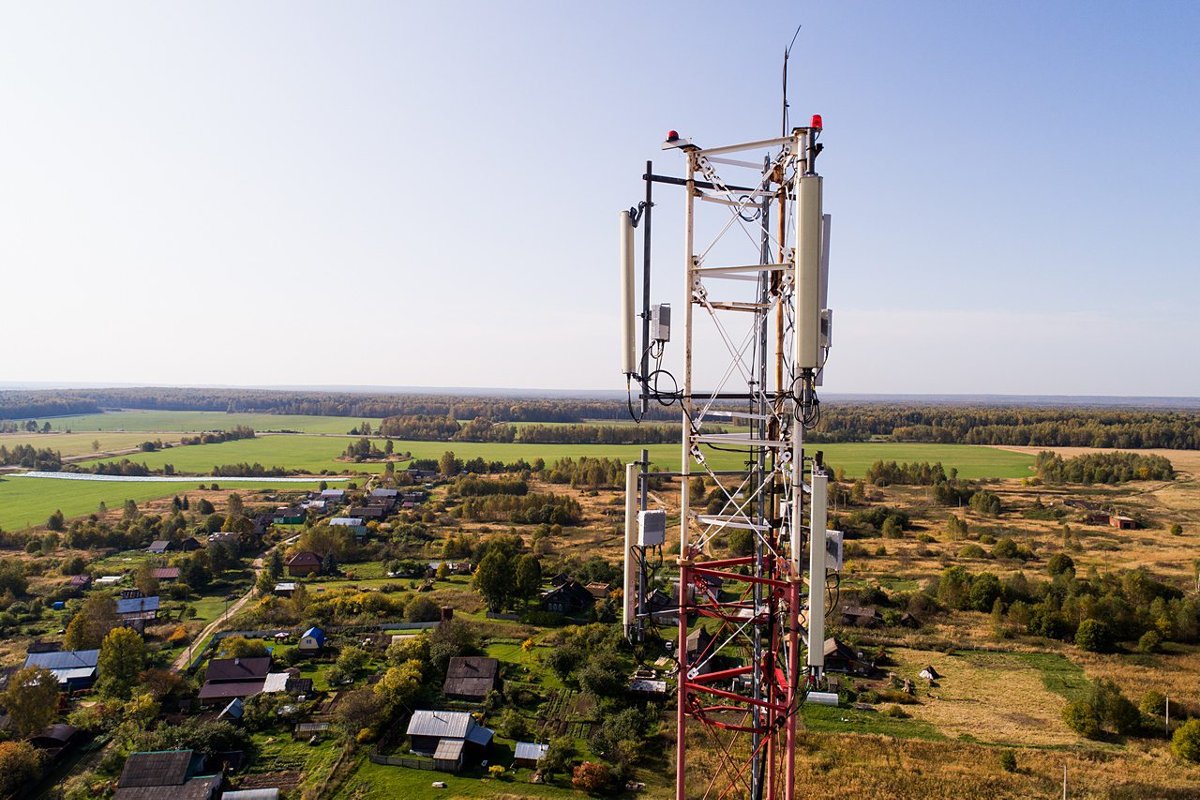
{"x": 25, "y": 502}
{"x": 379, "y": 782}
{"x": 315, "y": 453}
{"x": 190, "y": 421}
{"x": 1059, "y": 674}
{"x": 827, "y": 719}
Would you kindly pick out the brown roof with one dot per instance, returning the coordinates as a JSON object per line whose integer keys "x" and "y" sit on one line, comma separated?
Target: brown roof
{"x": 164, "y": 768}
{"x": 194, "y": 789}
{"x": 229, "y": 689}
{"x": 238, "y": 669}
{"x": 599, "y": 590}
{"x": 165, "y": 573}
{"x": 304, "y": 557}
{"x": 471, "y": 676}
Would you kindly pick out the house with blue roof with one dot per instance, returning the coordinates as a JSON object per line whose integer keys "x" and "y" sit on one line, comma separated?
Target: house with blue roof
{"x": 312, "y": 641}
{"x": 73, "y": 669}
{"x": 135, "y": 612}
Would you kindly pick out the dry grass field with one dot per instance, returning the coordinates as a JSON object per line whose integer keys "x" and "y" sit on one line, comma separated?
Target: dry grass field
{"x": 994, "y": 698}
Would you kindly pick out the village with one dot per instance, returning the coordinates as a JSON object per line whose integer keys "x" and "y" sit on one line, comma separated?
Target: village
{"x": 431, "y": 628}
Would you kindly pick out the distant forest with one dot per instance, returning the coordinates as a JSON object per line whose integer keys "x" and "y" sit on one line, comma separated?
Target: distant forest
{"x": 428, "y": 416}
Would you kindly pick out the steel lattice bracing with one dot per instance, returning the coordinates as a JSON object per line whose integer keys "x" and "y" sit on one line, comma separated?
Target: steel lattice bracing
{"x": 753, "y": 319}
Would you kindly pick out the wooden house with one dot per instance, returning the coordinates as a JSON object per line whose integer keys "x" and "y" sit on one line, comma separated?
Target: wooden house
{"x": 304, "y": 563}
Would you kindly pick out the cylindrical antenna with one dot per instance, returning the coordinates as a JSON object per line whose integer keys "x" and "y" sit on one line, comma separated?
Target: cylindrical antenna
{"x": 808, "y": 272}
{"x": 631, "y": 565}
{"x": 628, "y": 337}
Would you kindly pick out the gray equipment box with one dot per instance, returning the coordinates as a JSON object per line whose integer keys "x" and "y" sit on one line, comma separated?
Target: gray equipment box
{"x": 652, "y": 528}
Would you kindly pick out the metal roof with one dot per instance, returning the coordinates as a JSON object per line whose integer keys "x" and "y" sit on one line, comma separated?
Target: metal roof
{"x": 64, "y": 660}
{"x": 451, "y": 724}
{"x": 480, "y": 735}
{"x": 471, "y": 676}
{"x": 449, "y": 750}
{"x": 252, "y": 794}
{"x": 275, "y": 682}
{"x": 529, "y": 751}
{"x": 137, "y": 605}
{"x": 235, "y": 709}
{"x": 162, "y": 768}
{"x": 348, "y": 522}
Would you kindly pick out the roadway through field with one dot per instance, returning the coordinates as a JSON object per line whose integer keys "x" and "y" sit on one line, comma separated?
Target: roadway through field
{"x": 185, "y": 657}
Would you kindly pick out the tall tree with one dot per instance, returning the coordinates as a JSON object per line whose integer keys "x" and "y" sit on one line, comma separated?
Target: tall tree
{"x": 91, "y": 623}
{"x": 529, "y": 576}
{"x": 143, "y": 579}
{"x": 31, "y": 699}
{"x": 494, "y": 579}
{"x": 122, "y": 659}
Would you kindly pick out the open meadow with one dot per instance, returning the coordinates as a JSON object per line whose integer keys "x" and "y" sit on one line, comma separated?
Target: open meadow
{"x": 315, "y": 454}
{"x": 77, "y": 444}
{"x": 28, "y": 502}
{"x": 193, "y": 421}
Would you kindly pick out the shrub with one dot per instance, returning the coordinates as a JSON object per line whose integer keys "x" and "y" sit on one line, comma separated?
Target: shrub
{"x": 1008, "y": 761}
{"x": 1059, "y": 564}
{"x": 1081, "y": 716}
{"x": 1150, "y": 642}
{"x": 592, "y": 778}
{"x": 1185, "y": 743}
{"x": 896, "y": 712}
{"x": 1153, "y": 703}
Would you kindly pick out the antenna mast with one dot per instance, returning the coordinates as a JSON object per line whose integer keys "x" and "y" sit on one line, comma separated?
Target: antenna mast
{"x": 749, "y": 649}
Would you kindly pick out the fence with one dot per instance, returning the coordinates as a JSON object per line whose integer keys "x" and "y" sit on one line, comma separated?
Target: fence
{"x": 412, "y": 762}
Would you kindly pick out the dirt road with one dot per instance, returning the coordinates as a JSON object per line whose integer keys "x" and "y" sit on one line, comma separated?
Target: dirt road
{"x": 181, "y": 663}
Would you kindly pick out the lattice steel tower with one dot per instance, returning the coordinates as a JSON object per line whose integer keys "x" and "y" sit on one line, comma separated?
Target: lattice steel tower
{"x": 747, "y": 624}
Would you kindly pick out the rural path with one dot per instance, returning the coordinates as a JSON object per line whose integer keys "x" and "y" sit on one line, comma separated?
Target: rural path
{"x": 259, "y": 564}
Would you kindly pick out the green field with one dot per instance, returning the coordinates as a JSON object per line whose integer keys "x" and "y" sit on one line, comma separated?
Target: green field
{"x": 190, "y": 421}
{"x": 316, "y": 453}
{"x": 79, "y": 444}
{"x": 25, "y": 502}
{"x": 376, "y": 782}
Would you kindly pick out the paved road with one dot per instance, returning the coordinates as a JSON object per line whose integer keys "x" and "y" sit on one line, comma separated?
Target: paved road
{"x": 185, "y": 657}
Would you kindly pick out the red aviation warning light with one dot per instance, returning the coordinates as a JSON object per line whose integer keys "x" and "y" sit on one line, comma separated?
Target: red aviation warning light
{"x": 816, "y": 122}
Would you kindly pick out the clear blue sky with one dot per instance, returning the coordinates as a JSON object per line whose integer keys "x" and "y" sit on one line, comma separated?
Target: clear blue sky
{"x": 425, "y": 193}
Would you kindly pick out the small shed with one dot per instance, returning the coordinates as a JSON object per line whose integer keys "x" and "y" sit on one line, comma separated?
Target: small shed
{"x": 448, "y": 757}
{"x": 528, "y": 754}
{"x": 312, "y": 641}
{"x": 1122, "y": 522}
{"x": 234, "y": 711}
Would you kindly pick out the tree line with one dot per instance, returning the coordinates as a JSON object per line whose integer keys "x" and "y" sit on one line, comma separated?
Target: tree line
{"x": 482, "y": 429}
{"x": 1090, "y": 468}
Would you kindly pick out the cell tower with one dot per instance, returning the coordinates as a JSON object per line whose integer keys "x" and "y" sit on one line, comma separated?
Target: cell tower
{"x": 744, "y": 623}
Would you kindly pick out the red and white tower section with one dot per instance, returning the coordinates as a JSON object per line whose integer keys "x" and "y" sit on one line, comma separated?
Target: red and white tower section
{"x": 743, "y": 625}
